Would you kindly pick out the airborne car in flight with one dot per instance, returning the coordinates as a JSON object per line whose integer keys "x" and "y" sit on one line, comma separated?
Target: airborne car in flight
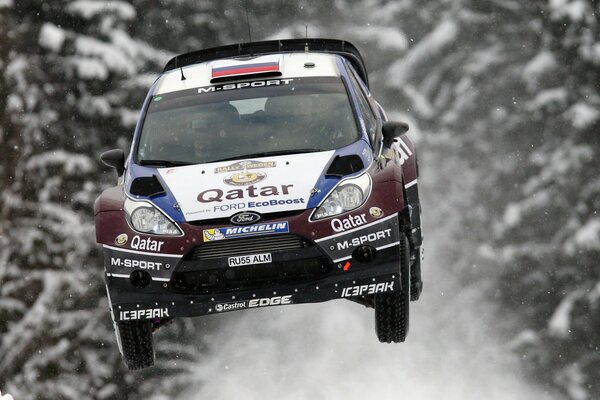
{"x": 260, "y": 174}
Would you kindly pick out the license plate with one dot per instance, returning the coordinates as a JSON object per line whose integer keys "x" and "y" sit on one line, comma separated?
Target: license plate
{"x": 251, "y": 259}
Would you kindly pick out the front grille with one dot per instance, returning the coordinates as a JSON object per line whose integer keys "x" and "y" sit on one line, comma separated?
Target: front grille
{"x": 251, "y": 277}
{"x": 243, "y": 246}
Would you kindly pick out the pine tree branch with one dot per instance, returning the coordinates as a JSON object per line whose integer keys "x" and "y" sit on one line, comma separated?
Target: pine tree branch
{"x": 18, "y": 344}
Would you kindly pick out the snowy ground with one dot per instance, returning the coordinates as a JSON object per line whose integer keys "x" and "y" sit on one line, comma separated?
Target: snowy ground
{"x": 330, "y": 351}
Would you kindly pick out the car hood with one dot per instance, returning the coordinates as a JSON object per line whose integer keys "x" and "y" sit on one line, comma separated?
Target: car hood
{"x": 263, "y": 185}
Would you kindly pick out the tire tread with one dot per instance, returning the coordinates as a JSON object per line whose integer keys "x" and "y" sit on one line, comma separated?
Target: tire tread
{"x": 136, "y": 341}
{"x": 392, "y": 309}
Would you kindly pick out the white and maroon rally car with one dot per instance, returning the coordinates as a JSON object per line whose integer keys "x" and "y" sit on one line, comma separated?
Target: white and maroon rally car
{"x": 260, "y": 174}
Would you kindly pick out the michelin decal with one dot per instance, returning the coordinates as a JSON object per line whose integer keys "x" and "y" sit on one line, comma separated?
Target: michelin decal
{"x": 230, "y": 232}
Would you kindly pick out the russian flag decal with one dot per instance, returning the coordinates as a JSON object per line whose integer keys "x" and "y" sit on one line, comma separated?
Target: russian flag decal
{"x": 234, "y": 67}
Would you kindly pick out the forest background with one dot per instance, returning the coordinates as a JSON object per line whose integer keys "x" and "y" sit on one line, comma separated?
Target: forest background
{"x": 503, "y": 98}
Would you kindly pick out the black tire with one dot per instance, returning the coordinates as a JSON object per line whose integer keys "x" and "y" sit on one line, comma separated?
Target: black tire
{"x": 136, "y": 343}
{"x": 391, "y": 309}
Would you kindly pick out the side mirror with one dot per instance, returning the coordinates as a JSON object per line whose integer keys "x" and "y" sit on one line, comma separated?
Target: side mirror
{"x": 392, "y": 130}
{"x": 114, "y": 158}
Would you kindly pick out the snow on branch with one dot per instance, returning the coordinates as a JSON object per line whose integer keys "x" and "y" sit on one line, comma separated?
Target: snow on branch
{"x": 112, "y": 57}
{"x": 18, "y": 343}
{"x": 88, "y": 9}
{"x": 51, "y": 37}
{"x": 71, "y": 162}
{"x": 560, "y": 322}
{"x": 428, "y": 48}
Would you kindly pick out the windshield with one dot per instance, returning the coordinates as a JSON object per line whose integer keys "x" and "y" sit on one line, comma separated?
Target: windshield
{"x": 229, "y": 121}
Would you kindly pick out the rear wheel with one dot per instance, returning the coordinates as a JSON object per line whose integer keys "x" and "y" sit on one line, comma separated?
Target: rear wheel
{"x": 391, "y": 309}
{"x": 136, "y": 343}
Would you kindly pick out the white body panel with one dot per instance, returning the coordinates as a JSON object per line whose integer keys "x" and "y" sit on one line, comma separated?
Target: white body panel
{"x": 263, "y": 185}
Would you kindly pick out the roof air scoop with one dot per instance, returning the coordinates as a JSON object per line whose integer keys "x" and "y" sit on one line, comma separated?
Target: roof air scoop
{"x": 345, "y": 165}
{"x": 146, "y": 186}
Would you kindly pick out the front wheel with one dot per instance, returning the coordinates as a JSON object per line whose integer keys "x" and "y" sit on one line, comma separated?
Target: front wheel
{"x": 391, "y": 309}
{"x": 136, "y": 343}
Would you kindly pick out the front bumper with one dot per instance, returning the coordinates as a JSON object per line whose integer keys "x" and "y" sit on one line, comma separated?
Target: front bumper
{"x": 309, "y": 263}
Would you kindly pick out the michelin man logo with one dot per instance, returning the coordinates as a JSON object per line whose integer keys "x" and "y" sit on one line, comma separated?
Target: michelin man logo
{"x": 213, "y": 234}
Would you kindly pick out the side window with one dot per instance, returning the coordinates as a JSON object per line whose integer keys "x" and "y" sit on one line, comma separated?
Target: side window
{"x": 365, "y": 109}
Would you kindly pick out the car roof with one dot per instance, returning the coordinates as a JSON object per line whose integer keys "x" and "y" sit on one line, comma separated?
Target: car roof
{"x": 334, "y": 46}
{"x": 275, "y": 66}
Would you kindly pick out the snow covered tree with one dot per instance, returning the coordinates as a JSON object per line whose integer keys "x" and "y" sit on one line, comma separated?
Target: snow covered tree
{"x": 74, "y": 74}
{"x": 507, "y": 96}
{"x": 66, "y": 70}
{"x": 503, "y": 94}
{"x": 509, "y": 92}
{"x": 549, "y": 234}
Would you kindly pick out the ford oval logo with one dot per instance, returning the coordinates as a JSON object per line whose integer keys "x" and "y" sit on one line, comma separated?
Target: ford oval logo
{"x": 245, "y": 218}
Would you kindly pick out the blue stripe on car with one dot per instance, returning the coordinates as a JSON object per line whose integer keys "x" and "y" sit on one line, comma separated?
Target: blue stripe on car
{"x": 361, "y": 148}
{"x": 324, "y": 185}
{"x": 165, "y": 201}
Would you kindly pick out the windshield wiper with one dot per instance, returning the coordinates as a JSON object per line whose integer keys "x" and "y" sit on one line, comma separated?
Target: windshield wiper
{"x": 269, "y": 153}
{"x": 165, "y": 163}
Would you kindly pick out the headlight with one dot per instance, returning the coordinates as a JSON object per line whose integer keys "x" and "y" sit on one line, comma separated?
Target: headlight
{"x": 348, "y": 195}
{"x": 146, "y": 218}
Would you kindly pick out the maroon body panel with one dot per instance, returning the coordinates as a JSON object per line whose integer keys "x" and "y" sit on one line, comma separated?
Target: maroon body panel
{"x": 331, "y": 240}
{"x": 112, "y": 219}
{"x": 110, "y": 200}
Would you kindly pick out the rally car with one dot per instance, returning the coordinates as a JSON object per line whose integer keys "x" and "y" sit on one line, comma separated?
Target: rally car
{"x": 260, "y": 174}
